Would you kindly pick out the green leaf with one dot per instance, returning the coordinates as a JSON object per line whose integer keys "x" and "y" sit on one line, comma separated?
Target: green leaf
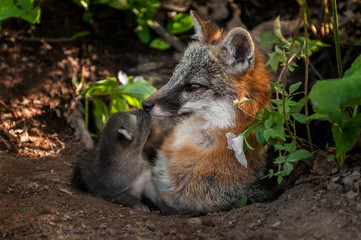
{"x": 299, "y": 117}
{"x": 294, "y": 87}
{"x": 269, "y": 122}
{"x": 24, "y": 209}
{"x": 292, "y": 147}
{"x": 355, "y": 69}
{"x": 329, "y": 95}
{"x": 275, "y": 58}
{"x": 279, "y": 179}
{"x": 140, "y": 89}
{"x": 287, "y": 168}
{"x": 266, "y": 135}
{"x": 87, "y": 16}
{"x": 32, "y": 16}
{"x": 279, "y": 147}
{"x": 319, "y": 116}
{"x": 102, "y": 87}
{"x": 278, "y": 88}
{"x": 279, "y": 160}
{"x": 353, "y": 122}
{"x": 6, "y": 3}
{"x": 291, "y": 66}
{"x": 298, "y": 155}
{"x": 268, "y": 38}
{"x": 331, "y": 158}
{"x": 277, "y": 101}
{"x": 260, "y": 137}
{"x": 274, "y": 133}
{"x": 101, "y": 113}
{"x": 160, "y": 44}
{"x": 277, "y": 29}
{"x": 298, "y": 107}
{"x": 10, "y": 12}
{"x": 182, "y": 22}
{"x": 132, "y": 101}
{"x": 26, "y": 4}
{"x": 80, "y": 34}
{"x": 117, "y": 104}
{"x": 240, "y": 203}
{"x": 345, "y": 138}
{"x": 144, "y": 34}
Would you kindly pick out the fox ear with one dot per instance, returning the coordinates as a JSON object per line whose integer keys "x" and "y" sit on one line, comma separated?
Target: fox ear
{"x": 205, "y": 31}
{"x": 237, "y": 51}
{"x": 198, "y": 24}
{"x": 125, "y": 133}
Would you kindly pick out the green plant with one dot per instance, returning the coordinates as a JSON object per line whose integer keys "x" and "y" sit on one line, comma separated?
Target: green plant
{"x": 23, "y": 9}
{"x": 331, "y": 100}
{"x": 270, "y": 127}
{"x": 144, "y": 11}
{"x": 121, "y": 97}
{"x": 286, "y": 50}
{"x": 276, "y": 125}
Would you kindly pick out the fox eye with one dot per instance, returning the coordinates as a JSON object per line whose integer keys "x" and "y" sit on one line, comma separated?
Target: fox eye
{"x": 192, "y": 87}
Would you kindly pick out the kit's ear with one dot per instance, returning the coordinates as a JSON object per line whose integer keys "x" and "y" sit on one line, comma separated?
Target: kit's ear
{"x": 205, "y": 31}
{"x": 123, "y": 132}
{"x": 237, "y": 51}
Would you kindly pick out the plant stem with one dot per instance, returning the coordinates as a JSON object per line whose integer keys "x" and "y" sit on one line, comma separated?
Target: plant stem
{"x": 337, "y": 38}
{"x": 304, "y": 7}
{"x": 341, "y": 160}
{"x": 283, "y": 93}
{"x": 355, "y": 111}
{"x": 86, "y": 112}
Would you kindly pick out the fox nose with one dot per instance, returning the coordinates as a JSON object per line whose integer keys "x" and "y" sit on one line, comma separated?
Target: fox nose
{"x": 147, "y": 105}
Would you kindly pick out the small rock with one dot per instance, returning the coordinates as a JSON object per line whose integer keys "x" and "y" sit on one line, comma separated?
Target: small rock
{"x": 276, "y": 224}
{"x": 151, "y": 227}
{"x": 334, "y": 186}
{"x": 351, "y": 195}
{"x": 208, "y": 223}
{"x": 112, "y": 231}
{"x": 335, "y": 179}
{"x": 348, "y": 179}
{"x": 194, "y": 221}
{"x": 317, "y": 234}
{"x": 321, "y": 166}
{"x": 65, "y": 191}
{"x": 131, "y": 212}
{"x": 356, "y": 173}
{"x": 182, "y": 236}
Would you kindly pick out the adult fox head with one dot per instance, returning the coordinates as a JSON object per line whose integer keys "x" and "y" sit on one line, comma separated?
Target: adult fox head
{"x": 217, "y": 69}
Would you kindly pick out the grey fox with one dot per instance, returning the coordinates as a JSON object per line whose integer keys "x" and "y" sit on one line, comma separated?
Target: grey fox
{"x": 194, "y": 170}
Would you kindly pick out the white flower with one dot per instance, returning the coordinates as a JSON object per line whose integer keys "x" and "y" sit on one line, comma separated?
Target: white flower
{"x": 123, "y": 77}
{"x": 236, "y": 143}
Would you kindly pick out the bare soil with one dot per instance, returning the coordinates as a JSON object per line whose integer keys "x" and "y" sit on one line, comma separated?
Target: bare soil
{"x": 38, "y": 152}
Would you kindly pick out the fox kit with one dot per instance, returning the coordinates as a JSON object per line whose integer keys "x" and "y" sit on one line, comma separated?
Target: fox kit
{"x": 194, "y": 170}
{"x": 115, "y": 170}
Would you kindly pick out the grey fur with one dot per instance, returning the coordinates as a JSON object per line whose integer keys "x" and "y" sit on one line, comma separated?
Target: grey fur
{"x": 115, "y": 169}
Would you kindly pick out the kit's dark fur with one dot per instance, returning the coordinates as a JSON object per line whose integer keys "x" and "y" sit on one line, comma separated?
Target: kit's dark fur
{"x": 115, "y": 169}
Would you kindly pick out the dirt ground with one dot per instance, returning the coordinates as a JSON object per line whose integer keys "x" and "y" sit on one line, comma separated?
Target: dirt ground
{"x": 38, "y": 151}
